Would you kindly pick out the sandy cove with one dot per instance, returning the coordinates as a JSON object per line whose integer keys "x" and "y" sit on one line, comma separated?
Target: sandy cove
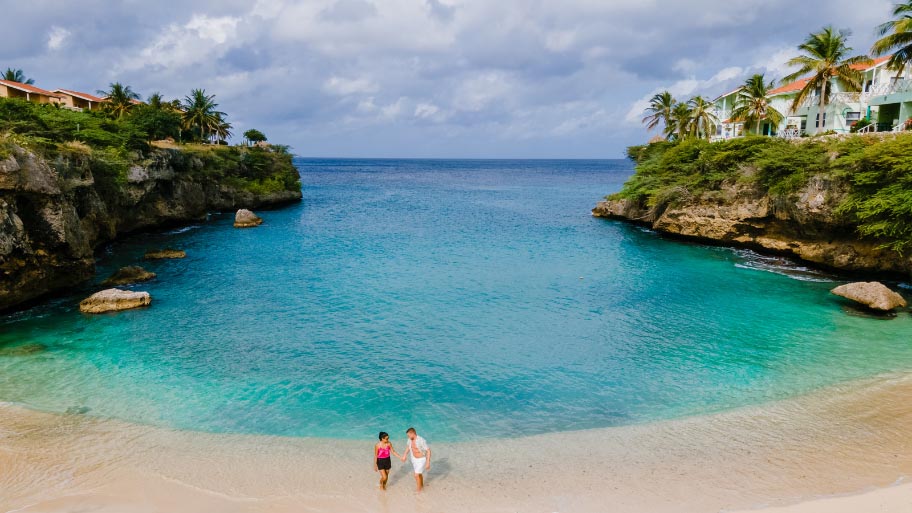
{"x": 847, "y": 439}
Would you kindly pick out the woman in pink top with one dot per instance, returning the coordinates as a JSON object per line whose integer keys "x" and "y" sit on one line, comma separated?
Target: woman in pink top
{"x": 382, "y": 461}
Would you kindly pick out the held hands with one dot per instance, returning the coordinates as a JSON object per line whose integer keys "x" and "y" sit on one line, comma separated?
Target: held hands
{"x": 402, "y": 458}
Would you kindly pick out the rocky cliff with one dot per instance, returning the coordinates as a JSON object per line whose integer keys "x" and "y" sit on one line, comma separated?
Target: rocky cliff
{"x": 55, "y": 211}
{"x": 805, "y": 225}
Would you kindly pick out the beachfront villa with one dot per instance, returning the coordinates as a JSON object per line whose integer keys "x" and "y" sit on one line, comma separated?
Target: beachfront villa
{"x": 885, "y": 100}
{"x": 10, "y": 89}
{"x": 78, "y": 101}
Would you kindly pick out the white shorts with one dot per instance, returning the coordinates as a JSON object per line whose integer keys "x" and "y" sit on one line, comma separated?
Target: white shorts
{"x": 418, "y": 464}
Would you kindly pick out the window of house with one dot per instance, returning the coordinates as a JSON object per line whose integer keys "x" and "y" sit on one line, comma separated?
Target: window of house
{"x": 853, "y": 116}
{"x": 804, "y": 124}
{"x": 867, "y": 87}
{"x": 817, "y": 121}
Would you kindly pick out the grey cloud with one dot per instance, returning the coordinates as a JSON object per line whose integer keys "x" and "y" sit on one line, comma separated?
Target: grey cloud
{"x": 436, "y": 77}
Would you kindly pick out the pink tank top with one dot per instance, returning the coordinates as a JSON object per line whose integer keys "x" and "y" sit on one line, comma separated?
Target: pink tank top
{"x": 383, "y": 452}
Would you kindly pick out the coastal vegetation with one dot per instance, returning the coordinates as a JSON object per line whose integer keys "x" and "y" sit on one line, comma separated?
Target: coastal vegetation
{"x": 874, "y": 173}
{"x": 123, "y": 134}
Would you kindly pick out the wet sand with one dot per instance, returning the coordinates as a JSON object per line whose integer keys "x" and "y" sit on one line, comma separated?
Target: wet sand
{"x": 843, "y": 440}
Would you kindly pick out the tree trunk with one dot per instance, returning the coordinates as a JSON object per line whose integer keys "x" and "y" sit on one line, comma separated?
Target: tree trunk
{"x": 758, "y": 126}
{"x": 821, "y": 110}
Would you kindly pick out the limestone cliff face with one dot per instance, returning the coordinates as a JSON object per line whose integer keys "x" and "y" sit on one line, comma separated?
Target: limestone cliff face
{"x": 805, "y": 225}
{"x": 54, "y": 214}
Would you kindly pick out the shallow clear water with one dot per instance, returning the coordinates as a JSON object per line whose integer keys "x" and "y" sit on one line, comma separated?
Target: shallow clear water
{"x": 469, "y": 298}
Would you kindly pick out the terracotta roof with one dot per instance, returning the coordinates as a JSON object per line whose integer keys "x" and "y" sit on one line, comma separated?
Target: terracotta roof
{"x": 28, "y": 88}
{"x": 873, "y": 64}
{"x": 790, "y": 87}
{"x": 77, "y": 94}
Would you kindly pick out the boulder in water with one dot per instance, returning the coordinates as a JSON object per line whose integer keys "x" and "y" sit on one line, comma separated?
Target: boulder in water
{"x": 246, "y": 219}
{"x": 874, "y": 295}
{"x": 112, "y": 300}
{"x": 129, "y": 274}
{"x": 162, "y": 254}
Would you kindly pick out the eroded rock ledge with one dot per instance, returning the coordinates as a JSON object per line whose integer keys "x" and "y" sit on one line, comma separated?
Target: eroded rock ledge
{"x": 53, "y": 214}
{"x": 805, "y": 226}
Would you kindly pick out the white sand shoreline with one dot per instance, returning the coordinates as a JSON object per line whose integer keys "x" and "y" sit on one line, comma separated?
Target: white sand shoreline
{"x": 850, "y": 438}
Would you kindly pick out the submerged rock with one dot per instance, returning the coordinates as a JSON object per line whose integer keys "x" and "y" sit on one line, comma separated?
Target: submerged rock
{"x": 246, "y": 219}
{"x": 112, "y": 300}
{"x": 162, "y": 254}
{"x": 23, "y": 350}
{"x": 874, "y": 295}
{"x": 129, "y": 274}
{"x": 77, "y": 410}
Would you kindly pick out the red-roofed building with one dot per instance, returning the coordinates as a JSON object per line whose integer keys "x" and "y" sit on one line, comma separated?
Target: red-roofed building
{"x": 77, "y": 100}
{"x": 10, "y": 89}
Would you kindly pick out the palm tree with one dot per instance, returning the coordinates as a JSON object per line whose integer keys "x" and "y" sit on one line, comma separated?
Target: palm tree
{"x": 156, "y": 101}
{"x": 897, "y": 37}
{"x": 826, "y": 59}
{"x": 660, "y": 111}
{"x": 221, "y": 129}
{"x": 199, "y": 111}
{"x": 16, "y": 75}
{"x": 752, "y": 104}
{"x": 119, "y": 99}
{"x": 679, "y": 123}
{"x": 702, "y": 120}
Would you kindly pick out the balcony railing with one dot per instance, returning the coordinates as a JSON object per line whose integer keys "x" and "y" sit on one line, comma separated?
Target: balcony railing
{"x": 790, "y": 133}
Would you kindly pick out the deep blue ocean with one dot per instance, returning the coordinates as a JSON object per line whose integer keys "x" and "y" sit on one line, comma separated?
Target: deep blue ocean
{"x": 471, "y": 298}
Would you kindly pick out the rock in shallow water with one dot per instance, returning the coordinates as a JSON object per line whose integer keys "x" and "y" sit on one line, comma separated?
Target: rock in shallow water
{"x": 246, "y": 219}
{"x": 23, "y": 350}
{"x": 112, "y": 300}
{"x": 165, "y": 253}
{"x": 130, "y": 274}
{"x": 874, "y": 295}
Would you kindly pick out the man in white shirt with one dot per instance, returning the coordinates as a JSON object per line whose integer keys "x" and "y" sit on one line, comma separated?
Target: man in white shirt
{"x": 420, "y": 455}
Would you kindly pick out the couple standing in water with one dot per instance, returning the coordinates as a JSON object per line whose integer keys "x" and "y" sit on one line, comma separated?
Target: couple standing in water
{"x": 417, "y": 451}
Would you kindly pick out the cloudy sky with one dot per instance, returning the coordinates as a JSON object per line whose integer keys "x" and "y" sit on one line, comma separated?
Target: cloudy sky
{"x": 423, "y": 78}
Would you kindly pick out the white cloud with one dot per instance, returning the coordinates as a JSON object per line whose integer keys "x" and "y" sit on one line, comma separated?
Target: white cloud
{"x": 560, "y": 41}
{"x": 57, "y": 37}
{"x": 200, "y": 39}
{"x": 478, "y": 91}
{"x": 346, "y": 86}
{"x": 684, "y": 89}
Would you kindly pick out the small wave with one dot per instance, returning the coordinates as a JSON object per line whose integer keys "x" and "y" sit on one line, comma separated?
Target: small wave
{"x": 780, "y": 265}
{"x": 184, "y": 229}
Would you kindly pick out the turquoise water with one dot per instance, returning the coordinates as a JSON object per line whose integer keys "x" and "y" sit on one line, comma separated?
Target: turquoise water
{"x": 470, "y": 298}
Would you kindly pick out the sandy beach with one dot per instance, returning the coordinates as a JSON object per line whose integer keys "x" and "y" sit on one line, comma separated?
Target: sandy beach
{"x": 850, "y": 439}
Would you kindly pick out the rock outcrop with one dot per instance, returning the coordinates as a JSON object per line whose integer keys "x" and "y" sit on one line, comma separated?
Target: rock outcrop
{"x": 54, "y": 214}
{"x": 246, "y": 219}
{"x": 164, "y": 254}
{"x": 112, "y": 300}
{"x": 127, "y": 275}
{"x": 805, "y": 225}
{"x": 874, "y": 295}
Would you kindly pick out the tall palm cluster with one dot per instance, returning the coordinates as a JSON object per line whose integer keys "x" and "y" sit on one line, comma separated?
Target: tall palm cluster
{"x": 197, "y": 113}
{"x": 825, "y": 58}
{"x": 200, "y": 116}
{"x": 681, "y": 120}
